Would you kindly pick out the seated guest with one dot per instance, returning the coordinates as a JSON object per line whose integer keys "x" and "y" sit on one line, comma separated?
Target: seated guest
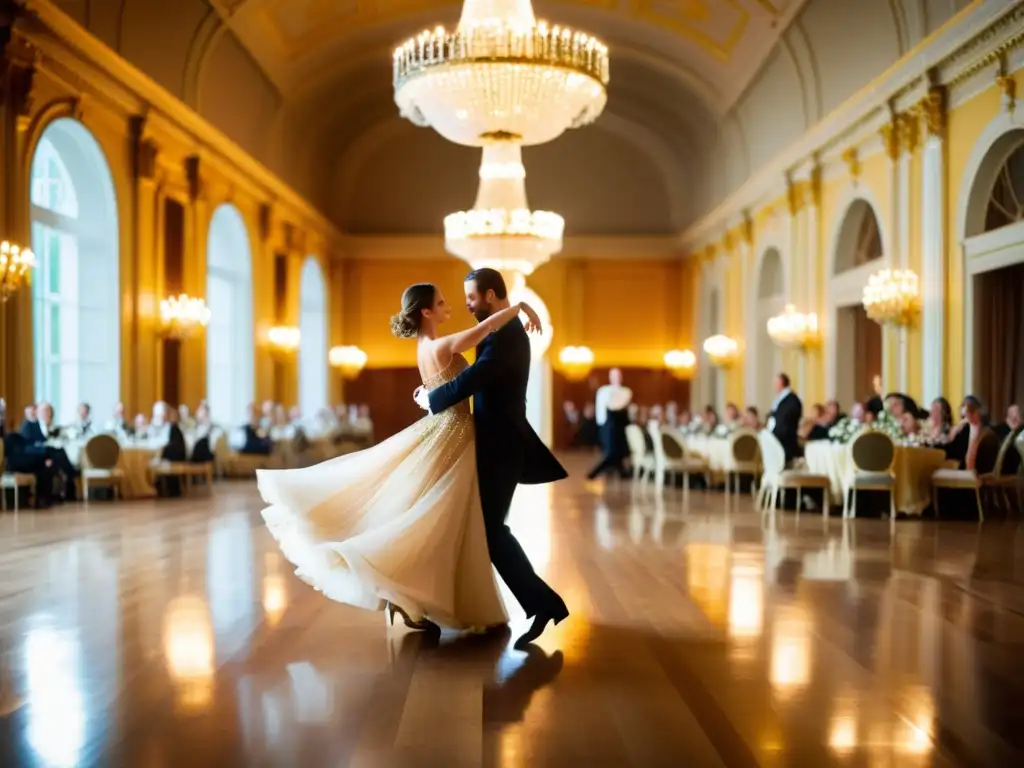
{"x": 281, "y": 428}
{"x": 965, "y": 437}
{"x": 751, "y": 418}
{"x": 36, "y": 435}
{"x": 1012, "y": 423}
{"x": 571, "y": 414}
{"x": 709, "y": 422}
{"x": 362, "y": 424}
{"x": 160, "y": 425}
{"x": 784, "y": 419}
{"x": 119, "y": 425}
{"x": 896, "y": 405}
{"x": 267, "y": 417}
{"x": 140, "y": 428}
{"x": 909, "y": 424}
{"x": 815, "y": 427}
{"x": 30, "y": 428}
{"x": 174, "y": 449}
{"x": 940, "y": 422}
{"x": 185, "y": 420}
{"x": 257, "y": 441}
{"x": 21, "y": 458}
{"x": 732, "y": 415}
{"x": 205, "y": 436}
{"x": 657, "y": 415}
{"x": 684, "y": 419}
{"x": 833, "y": 413}
{"x": 875, "y": 405}
{"x": 672, "y": 414}
{"x": 83, "y": 427}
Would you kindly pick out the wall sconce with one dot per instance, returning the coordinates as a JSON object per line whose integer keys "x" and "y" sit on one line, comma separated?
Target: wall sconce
{"x": 892, "y": 297}
{"x": 349, "y": 360}
{"x": 15, "y": 265}
{"x": 182, "y": 317}
{"x": 284, "y": 339}
{"x": 576, "y": 362}
{"x": 681, "y": 363}
{"x": 794, "y": 330}
{"x": 721, "y": 351}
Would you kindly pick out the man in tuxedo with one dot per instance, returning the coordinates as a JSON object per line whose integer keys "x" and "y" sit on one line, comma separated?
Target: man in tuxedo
{"x": 611, "y": 407}
{"x": 784, "y": 419}
{"x": 508, "y": 451}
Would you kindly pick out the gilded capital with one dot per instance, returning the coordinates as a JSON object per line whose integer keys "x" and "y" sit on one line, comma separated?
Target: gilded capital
{"x": 932, "y": 109}
{"x": 747, "y": 229}
{"x": 891, "y": 138}
{"x": 1008, "y": 86}
{"x": 795, "y": 198}
{"x": 910, "y": 132}
{"x": 852, "y": 160}
{"x": 710, "y": 252}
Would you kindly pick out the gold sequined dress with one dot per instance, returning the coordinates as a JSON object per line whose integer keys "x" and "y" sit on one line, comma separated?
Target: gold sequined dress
{"x": 398, "y": 522}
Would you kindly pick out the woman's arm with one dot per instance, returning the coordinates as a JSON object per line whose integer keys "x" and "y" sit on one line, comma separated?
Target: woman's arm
{"x": 464, "y": 340}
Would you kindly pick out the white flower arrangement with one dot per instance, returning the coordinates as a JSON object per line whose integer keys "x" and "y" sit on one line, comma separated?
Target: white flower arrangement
{"x": 722, "y": 430}
{"x": 843, "y": 430}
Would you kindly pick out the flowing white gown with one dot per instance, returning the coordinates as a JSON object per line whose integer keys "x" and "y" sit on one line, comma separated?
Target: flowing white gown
{"x": 398, "y": 522}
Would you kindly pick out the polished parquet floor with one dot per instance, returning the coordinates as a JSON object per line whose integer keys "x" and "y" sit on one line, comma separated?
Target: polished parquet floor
{"x": 171, "y": 633}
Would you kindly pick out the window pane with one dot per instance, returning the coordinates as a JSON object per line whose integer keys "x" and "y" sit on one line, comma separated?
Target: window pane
{"x": 53, "y": 261}
{"x": 53, "y": 331}
{"x": 52, "y": 392}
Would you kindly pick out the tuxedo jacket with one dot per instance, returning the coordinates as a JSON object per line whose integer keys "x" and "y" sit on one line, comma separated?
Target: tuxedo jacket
{"x": 497, "y": 382}
{"x": 32, "y": 432}
{"x": 787, "y": 424}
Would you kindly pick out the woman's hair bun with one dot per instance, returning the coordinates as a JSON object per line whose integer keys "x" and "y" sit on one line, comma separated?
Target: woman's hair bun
{"x": 403, "y": 326}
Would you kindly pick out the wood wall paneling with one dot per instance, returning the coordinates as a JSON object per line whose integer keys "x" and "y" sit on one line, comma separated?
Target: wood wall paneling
{"x": 388, "y": 392}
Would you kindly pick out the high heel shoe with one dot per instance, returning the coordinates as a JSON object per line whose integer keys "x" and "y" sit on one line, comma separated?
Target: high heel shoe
{"x": 423, "y": 625}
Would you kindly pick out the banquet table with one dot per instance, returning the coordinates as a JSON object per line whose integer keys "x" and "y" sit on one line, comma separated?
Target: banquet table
{"x": 714, "y": 449}
{"x": 134, "y": 461}
{"x": 913, "y": 468}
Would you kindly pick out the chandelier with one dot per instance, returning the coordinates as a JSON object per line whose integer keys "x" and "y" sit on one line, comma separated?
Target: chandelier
{"x": 792, "y": 329}
{"x": 892, "y": 297}
{"x": 576, "y": 362}
{"x": 349, "y": 360}
{"x": 721, "y": 350}
{"x": 284, "y": 339}
{"x": 182, "y": 316}
{"x": 681, "y": 363}
{"x": 15, "y": 265}
{"x": 501, "y": 231}
{"x": 501, "y": 75}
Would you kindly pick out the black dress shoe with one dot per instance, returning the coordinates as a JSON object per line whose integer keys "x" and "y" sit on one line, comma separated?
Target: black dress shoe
{"x": 556, "y": 613}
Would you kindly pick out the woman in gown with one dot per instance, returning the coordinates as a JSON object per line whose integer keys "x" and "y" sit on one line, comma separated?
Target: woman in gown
{"x": 399, "y": 525}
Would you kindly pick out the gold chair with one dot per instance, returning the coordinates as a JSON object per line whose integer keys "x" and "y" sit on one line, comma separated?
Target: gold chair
{"x": 970, "y": 479}
{"x": 670, "y": 455}
{"x": 744, "y": 459}
{"x": 872, "y": 454}
{"x": 102, "y": 455}
{"x": 642, "y": 461}
{"x": 15, "y": 481}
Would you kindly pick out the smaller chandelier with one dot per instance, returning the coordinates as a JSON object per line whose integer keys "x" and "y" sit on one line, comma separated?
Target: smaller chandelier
{"x": 721, "y": 350}
{"x": 892, "y": 297}
{"x": 284, "y": 339}
{"x": 681, "y": 362}
{"x": 792, "y": 329}
{"x": 349, "y": 360}
{"x": 576, "y": 362}
{"x": 182, "y": 317}
{"x": 15, "y": 265}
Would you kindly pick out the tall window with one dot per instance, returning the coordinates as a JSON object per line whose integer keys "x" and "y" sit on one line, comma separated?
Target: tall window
{"x": 75, "y": 290}
{"x": 230, "y": 343}
{"x": 313, "y": 339}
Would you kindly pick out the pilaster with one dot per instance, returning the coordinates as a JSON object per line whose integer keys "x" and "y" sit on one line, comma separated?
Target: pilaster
{"x": 932, "y": 111}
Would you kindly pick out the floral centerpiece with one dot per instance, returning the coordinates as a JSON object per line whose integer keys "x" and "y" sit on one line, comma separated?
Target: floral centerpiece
{"x": 846, "y": 428}
{"x": 843, "y": 430}
{"x": 722, "y": 430}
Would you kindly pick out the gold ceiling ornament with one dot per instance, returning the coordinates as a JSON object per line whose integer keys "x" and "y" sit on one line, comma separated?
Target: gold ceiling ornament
{"x": 576, "y": 362}
{"x": 710, "y": 252}
{"x": 795, "y": 197}
{"x": 892, "y": 297}
{"x": 794, "y": 330}
{"x": 891, "y": 138}
{"x": 910, "y": 132}
{"x": 183, "y": 317}
{"x": 501, "y": 74}
{"x": 851, "y": 157}
{"x": 1008, "y": 85}
{"x": 722, "y": 351}
{"x": 681, "y": 363}
{"x": 349, "y": 360}
{"x": 932, "y": 109}
{"x": 15, "y": 269}
{"x": 747, "y": 228}
{"x": 501, "y": 231}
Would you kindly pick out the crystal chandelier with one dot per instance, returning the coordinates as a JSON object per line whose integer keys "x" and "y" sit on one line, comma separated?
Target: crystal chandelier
{"x": 892, "y": 297}
{"x": 501, "y": 75}
{"x": 182, "y": 316}
{"x": 792, "y": 329}
{"x": 501, "y": 231}
{"x": 15, "y": 265}
{"x": 284, "y": 339}
{"x": 576, "y": 362}
{"x": 349, "y": 360}
{"x": 721, "y": 350}
{"x": 681, "y": 362}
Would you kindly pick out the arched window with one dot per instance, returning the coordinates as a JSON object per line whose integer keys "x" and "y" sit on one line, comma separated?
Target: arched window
{"x": 230, "y": 342}
{"x": 313, "y": 339}
{"x": 76, "y": 293}
{"x": 1006, "y": 201}
{"x": 771, "y": 299}
{"x": 860, "y": 239}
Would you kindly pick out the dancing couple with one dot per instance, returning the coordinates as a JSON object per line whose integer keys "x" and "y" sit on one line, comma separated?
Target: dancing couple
{"x": 413, "y": 524}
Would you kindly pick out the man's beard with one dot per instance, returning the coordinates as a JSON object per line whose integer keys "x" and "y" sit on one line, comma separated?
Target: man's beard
{"x": 482, "y": 313}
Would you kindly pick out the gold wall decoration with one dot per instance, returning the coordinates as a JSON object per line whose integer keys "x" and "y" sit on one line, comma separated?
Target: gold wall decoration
{"x": 932, "y": 109}
{"x": 747, "y": 228}
{"x": 1008, "y": 85}
{"x": 796, "y": 197}
{"x": 909, "y": 132}
{"x": 852, "y": 160}
{"x": 891, "y": 138}
{"x": 710, "y": 252}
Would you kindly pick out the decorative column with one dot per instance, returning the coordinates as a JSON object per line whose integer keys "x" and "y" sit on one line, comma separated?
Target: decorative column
{"x": 933, "y": 245}
{"x": 142, "y": 357}
{"x": 192, "y": 381}
{"x": 795, "y": 200}
{"x": 891, "y": 143}
{"x": 750, "y": 382}
{"x": 909, "y": 139}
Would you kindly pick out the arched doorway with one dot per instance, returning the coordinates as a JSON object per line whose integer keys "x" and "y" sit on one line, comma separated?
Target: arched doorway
{"x": 313, "y": 339}
{"x": 856, "y": 346}
{"x": 771, "y": 300}
{"x": 539, "y": 405}
{"x": 994, "y": 255}
{"x": 230, "y": 337}
{"x": 76, "y": 292}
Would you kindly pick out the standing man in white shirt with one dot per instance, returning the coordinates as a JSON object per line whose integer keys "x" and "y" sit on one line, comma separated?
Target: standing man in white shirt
{"x": 612, "y": 414}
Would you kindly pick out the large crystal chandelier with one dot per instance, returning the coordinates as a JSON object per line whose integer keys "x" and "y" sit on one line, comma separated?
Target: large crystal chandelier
{"x": 501, "y": 75}
{"x": 501, "y": 231}
{"x": 792, "y": 329}
{"x": 892, "y": 297}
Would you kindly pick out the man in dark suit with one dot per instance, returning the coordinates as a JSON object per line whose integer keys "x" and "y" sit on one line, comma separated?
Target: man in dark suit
{"x": 784, "y": 420}
{"x": 508, "y": 450}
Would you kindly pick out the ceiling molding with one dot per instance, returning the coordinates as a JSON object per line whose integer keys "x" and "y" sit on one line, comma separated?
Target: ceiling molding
{"x": 431, "y": 247}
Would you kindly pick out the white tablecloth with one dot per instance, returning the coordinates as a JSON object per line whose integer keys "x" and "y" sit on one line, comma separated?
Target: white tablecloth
{"x": 714, "y": 449}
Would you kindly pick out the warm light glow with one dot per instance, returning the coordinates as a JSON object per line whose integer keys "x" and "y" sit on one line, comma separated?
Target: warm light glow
{"x": 15, "y": 265}
{"x": 746, "y": 601}
{"x": 794, "y": 330}
{"x": 501, "y": 73}
{"x": 284, "y": 338}
{"x": 721, "y": 350}
{"x": 842, "y": 734}
{"x": 182, "y": 316}
{"x": 892, "y": 297}
{"x": 707, "y": 579}
{"x": 349, "y": 360}
{"x": 275, "y": 594}
{"x": 576, "y": 362}
{"x": 681, "y": 362}
{"x": 55, "y": 706}
{"x": 188, "y": 648}
{"x": 791, "y": 650}
{"x": 540, "y": 343}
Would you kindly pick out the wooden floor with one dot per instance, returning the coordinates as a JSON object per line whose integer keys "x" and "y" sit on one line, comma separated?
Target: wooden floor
{"x": 172, "y": 634}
